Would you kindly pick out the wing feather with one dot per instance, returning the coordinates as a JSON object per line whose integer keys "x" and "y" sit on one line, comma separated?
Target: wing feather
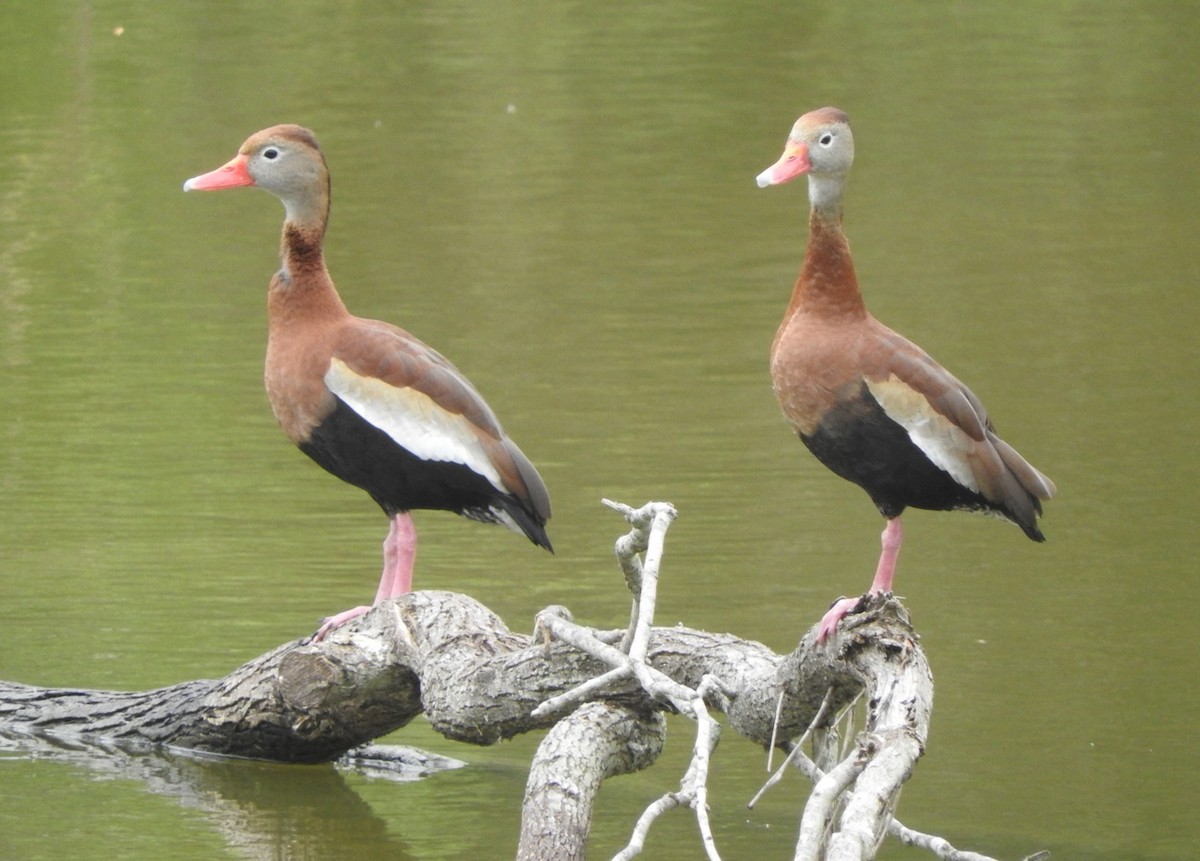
{"x": 949, "y": 424}
{"x": 423, "y": 402}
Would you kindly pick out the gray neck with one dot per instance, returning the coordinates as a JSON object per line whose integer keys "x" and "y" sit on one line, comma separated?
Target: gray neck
{"x": 307, "y": 211}
{"x": 825, "y": 195}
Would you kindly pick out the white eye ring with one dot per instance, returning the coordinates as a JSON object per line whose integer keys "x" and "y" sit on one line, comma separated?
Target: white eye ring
{"x": 270, "y": 153}
{"x": 826, "y": 139}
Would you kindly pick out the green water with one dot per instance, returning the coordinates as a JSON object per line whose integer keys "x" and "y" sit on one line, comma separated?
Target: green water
{"x": 561, "y": 198}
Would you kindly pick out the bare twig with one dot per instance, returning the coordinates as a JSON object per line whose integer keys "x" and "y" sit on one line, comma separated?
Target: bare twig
{"x": 581, "y": 694}
{"x": 797, "y": 748}
{"x": 775, "y": 733}
{"x": 644, "y": 540}
{"x": 628, "y": 547}
{"x": 693, "y": 793}
{"x": 938, "y": 846}
{"x": 647, "y": 537}
{"x": 476, "y": 681}
{"x": 941, "y": 847}
{"x": 656, "y": 683}
{"x": 818, "y": 813}
{"x": 708, "y": 732}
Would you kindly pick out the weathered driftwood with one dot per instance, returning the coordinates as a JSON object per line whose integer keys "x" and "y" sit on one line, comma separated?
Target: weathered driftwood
{"x": 476, "y": 681}
{"x": 442, "y": 653}
{"x": 598, "y": 741}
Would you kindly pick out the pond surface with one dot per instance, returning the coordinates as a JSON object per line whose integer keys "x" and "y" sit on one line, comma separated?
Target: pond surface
{"x": 561, "y": 198}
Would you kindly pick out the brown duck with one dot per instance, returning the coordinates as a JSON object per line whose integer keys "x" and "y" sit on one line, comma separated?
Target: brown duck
{"x": 366, "y": 400}
{"x": 867, "y": 402}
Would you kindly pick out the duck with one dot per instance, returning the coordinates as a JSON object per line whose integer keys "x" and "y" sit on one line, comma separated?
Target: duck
{"x": 364, "y": 399}
{"x": 868, "y": 403}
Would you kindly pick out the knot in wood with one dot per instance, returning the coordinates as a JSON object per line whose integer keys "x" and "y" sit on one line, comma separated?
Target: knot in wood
{"x": 308, "y": 680}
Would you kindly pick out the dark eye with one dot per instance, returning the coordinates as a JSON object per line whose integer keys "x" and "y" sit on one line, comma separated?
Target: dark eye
{"x": 826, "y": 139}
{"x": 270, "y": 153}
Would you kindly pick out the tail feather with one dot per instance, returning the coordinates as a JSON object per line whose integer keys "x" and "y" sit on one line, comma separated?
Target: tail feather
{"x": 1024, "y": 488}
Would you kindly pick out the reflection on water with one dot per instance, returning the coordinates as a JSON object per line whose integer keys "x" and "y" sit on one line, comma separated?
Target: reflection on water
{"x": 563, "y": 203}
{"x": 311, "y": 812}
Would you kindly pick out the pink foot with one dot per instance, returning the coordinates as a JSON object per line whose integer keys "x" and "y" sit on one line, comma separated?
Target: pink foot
{"x": 399, "y": 551}
{"x": 336, "y": 621}
{"x": 833, "y": 616}
{"x": 885, "y": 572}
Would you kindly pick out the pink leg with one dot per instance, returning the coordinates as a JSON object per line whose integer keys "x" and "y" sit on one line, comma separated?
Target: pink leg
{"x": 399, "y": 552}
{"x": 885, "y": 573}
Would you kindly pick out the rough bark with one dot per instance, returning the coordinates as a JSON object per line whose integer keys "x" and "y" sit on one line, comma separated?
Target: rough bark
{"x": 293, "y": 704}
{"x": 897, "y": 685}
{"x": 438, "y": 652}
{"x": 595, "y": 742}
{"x": 603, "y": 692}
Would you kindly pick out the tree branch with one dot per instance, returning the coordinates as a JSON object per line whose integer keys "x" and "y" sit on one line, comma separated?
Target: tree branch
{"x": 476, "y": 681}
{"x": 597, "y": 741}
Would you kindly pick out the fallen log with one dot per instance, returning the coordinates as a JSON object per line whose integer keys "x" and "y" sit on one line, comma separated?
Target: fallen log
{"x": 603, "y": 693}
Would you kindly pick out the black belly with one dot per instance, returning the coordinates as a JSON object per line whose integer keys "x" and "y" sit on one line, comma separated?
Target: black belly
{"x": 858, "y": 441}
{"x": 361, "y": 454}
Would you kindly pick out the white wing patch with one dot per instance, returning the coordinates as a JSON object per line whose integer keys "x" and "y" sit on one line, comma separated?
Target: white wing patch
{"x": 413, "y": 420}
{"x": 943, "y": 442}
